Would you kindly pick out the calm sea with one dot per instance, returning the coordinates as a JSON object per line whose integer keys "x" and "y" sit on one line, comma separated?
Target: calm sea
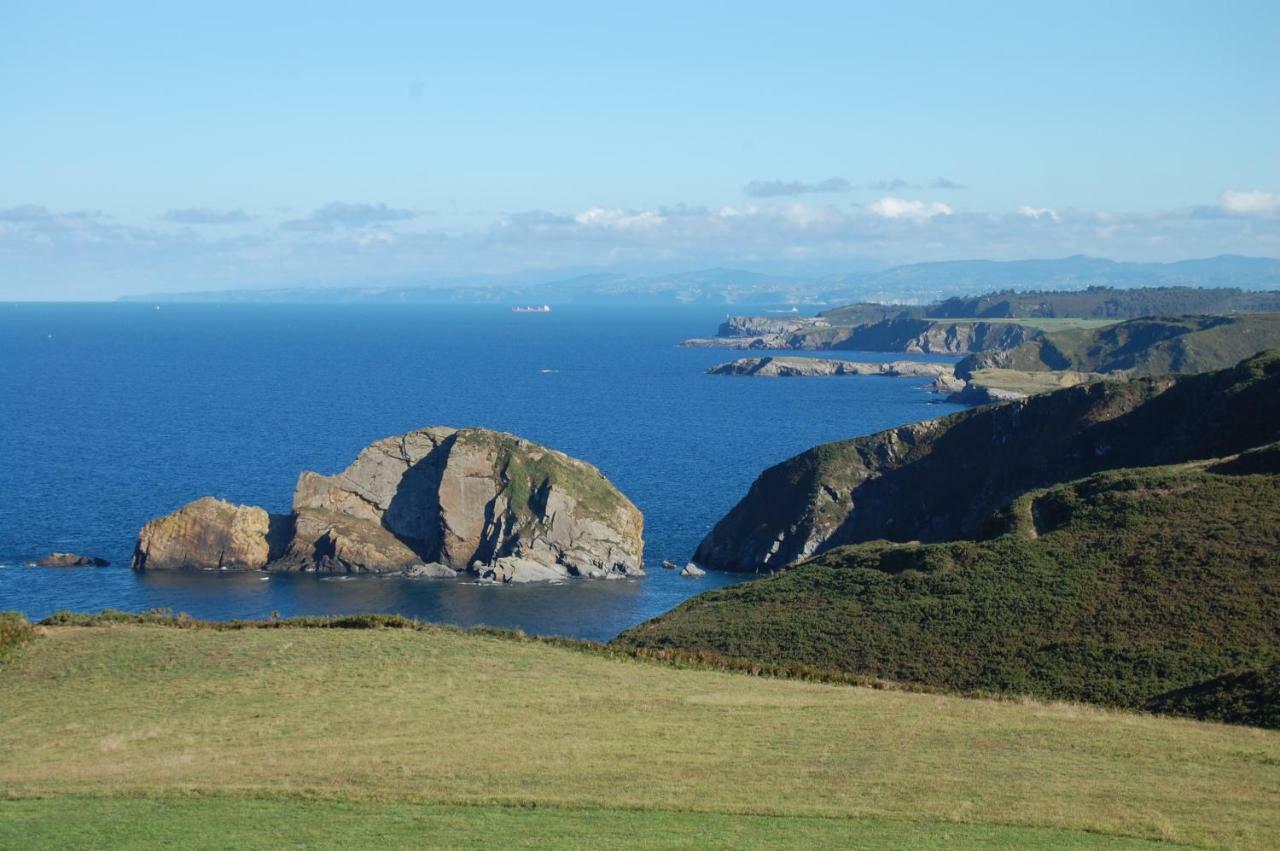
{"x": 111, "y": 414}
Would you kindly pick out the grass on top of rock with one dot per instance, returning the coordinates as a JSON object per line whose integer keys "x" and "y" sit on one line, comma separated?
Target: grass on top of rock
{"x": 1027, "y": 382}
{"x": 528, "y": 470}
{"x": 1115, "y": 589}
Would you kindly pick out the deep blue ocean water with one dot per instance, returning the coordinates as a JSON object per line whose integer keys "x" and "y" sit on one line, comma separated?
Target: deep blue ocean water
{"x": 111, "y": 414}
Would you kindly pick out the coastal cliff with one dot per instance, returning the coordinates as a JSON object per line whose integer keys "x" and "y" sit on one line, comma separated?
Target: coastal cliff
{"x": 940, "y": 479}
{"x": 769, "y": 367}
{"x": 435, "y": 501}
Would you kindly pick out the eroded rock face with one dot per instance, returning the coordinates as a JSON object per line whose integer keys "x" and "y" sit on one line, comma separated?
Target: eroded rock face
{"x": 469, "y": 499}
{"x": 207, "y": 533}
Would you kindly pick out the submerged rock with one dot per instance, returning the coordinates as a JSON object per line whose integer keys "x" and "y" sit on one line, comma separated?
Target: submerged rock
{"x": 435, "y": 570}
{"x": 422, "y": 503}
{"x": 70, "y": 560}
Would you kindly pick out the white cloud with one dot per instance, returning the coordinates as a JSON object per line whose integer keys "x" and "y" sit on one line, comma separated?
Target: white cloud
{"x": 1038, "y": 213}
{"x": 620, "y": 219}
{"x": 339, "y": 215}
{"x": 58, "y": 254}
{"x": 1253, "y": 203}
{"x": 890, "y": 207}
{"x": 782, "y": 188}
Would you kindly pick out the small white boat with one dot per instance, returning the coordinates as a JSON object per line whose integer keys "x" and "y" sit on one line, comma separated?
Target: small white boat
{"x": 545, "y": 308}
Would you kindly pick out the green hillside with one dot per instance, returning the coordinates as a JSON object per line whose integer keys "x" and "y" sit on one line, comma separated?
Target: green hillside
{"x": 1114, "y": 589}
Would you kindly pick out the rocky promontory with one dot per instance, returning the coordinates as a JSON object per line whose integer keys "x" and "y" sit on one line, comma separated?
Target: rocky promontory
{"x": 433, "y": 502}
{"x": 801, "y": 366}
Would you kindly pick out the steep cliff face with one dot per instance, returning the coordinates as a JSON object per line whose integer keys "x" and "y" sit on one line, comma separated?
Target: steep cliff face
{"x": 941, "y": 479}
{"x": 464, "y": 500}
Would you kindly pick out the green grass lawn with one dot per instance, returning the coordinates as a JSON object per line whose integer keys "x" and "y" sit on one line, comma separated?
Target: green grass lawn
{"x": 162, "y": 737}
{"x": 223, "y": 822}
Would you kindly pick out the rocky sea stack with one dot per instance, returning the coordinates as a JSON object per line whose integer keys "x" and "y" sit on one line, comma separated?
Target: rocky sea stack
{"x": 433, "y": 502}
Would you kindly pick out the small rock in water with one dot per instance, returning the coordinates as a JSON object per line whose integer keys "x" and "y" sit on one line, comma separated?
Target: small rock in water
{"x": 693, "y": 570}
{"x": 70, "y": 560}
{"x": 670, "y": 565}
{"x": 434, "y": 570}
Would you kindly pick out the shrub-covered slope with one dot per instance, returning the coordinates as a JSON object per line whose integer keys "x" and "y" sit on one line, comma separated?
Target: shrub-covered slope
{"x": 1090, "y": 303}
{"x": 938, "y": 480}
{"x": 1116, "y": 589}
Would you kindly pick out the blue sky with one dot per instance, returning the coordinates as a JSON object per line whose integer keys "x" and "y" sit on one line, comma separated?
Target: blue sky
{"x": 157, "y": 146}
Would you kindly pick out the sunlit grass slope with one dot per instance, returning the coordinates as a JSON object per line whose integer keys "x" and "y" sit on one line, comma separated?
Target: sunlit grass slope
{"x": 140, "y": 734}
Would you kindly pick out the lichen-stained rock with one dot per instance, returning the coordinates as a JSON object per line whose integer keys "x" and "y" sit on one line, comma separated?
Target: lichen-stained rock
{"x": 207, "y": 533}
{"x": 464, "y": 498}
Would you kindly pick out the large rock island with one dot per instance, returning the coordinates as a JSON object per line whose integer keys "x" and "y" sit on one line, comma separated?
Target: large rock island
{"x": 437, "y": 502}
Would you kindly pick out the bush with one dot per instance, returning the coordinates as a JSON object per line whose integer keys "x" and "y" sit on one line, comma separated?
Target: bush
{"x": 15, "y": 631}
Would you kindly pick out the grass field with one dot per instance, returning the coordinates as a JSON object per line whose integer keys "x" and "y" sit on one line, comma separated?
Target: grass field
{"x": 1041, "y": 323}
{"x": 1023, "y": 381}
{"x": 161, "y": 737}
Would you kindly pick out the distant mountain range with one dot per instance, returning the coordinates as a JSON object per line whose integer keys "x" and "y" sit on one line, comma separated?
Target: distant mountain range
{"x": 914, "y": 283}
